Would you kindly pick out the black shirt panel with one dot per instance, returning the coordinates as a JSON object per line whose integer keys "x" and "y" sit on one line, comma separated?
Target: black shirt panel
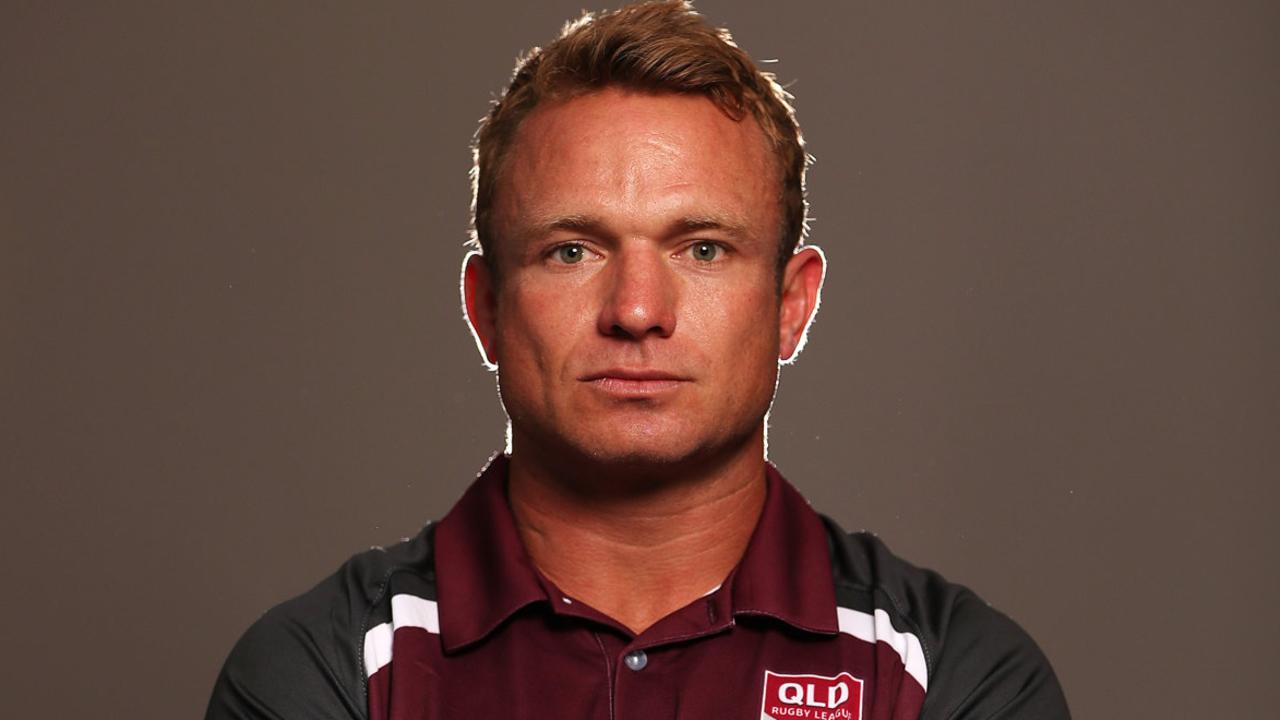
{"x": 304, "y": 658}
{"x": 981, "y": 664}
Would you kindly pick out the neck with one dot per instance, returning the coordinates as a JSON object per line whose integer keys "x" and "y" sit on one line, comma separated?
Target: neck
{"x": 639, "y": 543}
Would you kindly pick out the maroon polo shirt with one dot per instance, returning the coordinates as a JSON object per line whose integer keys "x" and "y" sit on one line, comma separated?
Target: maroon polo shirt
{"x": 813, "y": 623}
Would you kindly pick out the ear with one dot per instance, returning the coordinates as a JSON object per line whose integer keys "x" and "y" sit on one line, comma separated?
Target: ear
{"x": 801, "y": 293}
{"x": 479, "y": 305}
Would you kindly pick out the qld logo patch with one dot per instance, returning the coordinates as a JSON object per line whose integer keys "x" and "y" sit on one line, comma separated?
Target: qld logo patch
{"x": 811, "y": 697}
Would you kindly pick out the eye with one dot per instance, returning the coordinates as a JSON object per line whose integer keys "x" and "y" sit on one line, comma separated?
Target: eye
{"x": 705, "y": 251}
{"x": 570, "y": 253}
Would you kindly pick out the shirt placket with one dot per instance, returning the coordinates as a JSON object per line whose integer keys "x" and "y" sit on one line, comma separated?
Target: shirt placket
{"x": 645, "y": 679}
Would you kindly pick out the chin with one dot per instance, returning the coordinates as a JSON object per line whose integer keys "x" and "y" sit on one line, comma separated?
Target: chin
{"x": 636, "y": 445}
{"x": 637, "y": 455}
{"x": 626, "y": 440}
{"x": 639, "y": 445}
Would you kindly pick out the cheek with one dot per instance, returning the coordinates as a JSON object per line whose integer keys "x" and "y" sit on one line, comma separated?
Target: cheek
{"x": 739, "y": 329}
{"x": 535, "y": 332}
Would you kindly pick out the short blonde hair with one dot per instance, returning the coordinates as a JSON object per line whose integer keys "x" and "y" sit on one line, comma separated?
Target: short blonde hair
{"x": 652, "y": 46}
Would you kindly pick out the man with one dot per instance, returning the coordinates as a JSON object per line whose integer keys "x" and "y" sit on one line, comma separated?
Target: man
{"x": 639, "y": 210}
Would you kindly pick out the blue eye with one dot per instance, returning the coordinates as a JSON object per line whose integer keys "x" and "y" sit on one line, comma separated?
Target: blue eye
{"x": 570, "y": 254}
{"x": 704, "y": 251}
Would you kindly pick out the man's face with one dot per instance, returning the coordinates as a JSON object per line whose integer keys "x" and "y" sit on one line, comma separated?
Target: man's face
{"x": 638, "y": 318}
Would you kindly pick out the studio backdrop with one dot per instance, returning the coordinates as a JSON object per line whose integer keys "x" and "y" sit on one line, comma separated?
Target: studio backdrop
{"x": 1045, "y": 361}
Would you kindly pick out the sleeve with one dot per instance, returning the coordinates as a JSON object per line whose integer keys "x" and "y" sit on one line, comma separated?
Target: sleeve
{"x": 299, "y": 660}
{"x": 988, "y": 668}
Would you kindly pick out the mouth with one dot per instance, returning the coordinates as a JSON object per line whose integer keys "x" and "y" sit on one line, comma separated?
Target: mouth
{"x": 632, "y": 382}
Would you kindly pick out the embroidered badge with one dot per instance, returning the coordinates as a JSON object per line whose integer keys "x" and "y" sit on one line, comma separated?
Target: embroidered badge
{"x": 811, "y": 697}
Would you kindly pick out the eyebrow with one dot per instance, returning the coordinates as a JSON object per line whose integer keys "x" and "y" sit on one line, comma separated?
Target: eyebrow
{"x": 593, "y": 225}
{"x": 733, "y": 227}
{"x": 572, "y": 223}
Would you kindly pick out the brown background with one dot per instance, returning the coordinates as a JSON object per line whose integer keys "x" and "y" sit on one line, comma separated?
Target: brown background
{"x": 1045, "y": 364}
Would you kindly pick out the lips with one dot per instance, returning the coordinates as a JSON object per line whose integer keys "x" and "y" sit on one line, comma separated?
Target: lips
{"x": 634, "y": 381}
{"x": 637, "y": 374}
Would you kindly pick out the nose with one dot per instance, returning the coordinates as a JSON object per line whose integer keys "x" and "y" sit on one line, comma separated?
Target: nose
{"x": 640, "y": 296}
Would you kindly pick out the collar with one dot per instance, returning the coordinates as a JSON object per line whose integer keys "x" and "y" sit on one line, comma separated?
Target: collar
{"x": 785, "y": 572}
{"x": 484, "y": 575}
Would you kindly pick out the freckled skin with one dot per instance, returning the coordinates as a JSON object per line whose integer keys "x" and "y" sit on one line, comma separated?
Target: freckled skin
{"x": 643, "y": 294}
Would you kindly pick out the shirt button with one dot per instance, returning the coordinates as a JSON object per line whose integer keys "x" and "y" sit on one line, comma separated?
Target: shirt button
{"x": 636, "y": 660}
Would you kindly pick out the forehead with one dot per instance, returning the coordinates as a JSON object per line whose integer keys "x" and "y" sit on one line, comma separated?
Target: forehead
{"x": 633, "y": 158}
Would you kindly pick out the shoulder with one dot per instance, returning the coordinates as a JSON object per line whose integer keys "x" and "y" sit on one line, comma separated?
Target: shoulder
{"x": 305, "y": 656}
{"x": 976, "y": 661}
